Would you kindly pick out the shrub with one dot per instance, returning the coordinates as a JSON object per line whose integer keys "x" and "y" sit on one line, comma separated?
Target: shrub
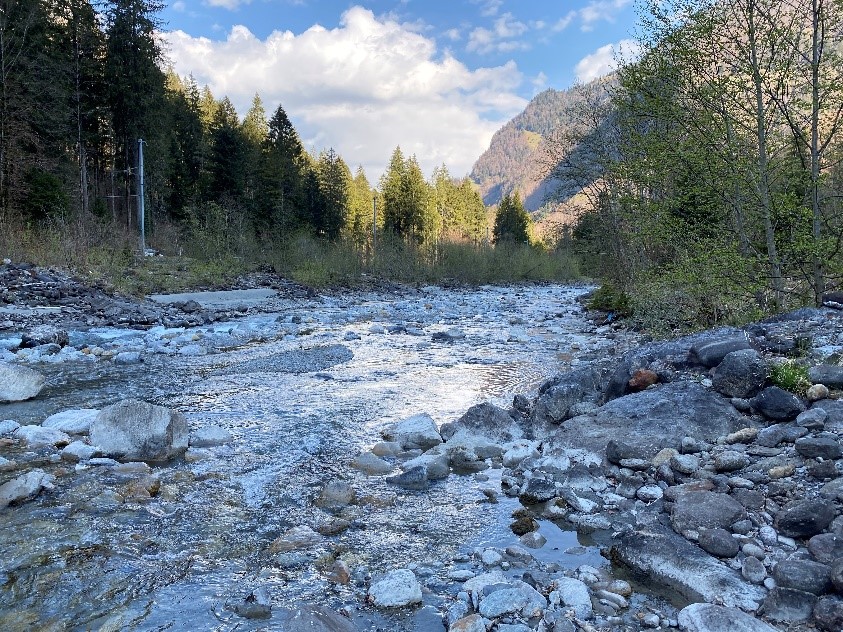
{"x": 791, "y": 376}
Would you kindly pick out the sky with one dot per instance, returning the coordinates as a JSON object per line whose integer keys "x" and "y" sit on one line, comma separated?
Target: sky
{"x": 435, "y": 77}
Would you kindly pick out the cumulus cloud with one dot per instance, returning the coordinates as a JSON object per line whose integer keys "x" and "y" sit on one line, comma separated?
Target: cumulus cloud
{"x": 362, "y": 88}
{"x": 605, "y": 59}
{"x": 502, "y": 37}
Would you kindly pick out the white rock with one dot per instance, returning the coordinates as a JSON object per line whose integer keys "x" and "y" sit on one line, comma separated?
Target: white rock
{"x": 38, "y": 436}
{"x": 127, "y": 357}
{"x": 24, "y": 486}
{"x": 521, "y": 598}
{"x": 210, "y": 436}
{"x": 706, "y": 617}
{"x": 418, "y": 431}
{"x": 534, "y": 540}
{"x": 79, "y": 451}
{"x": 396, "y": 589}
{"x": 491, "y": 557}
{"x": 8, "y": 426}
{"x": 371, "y": 464}
{"x": 436, "y": 464}
{"x": 74, "y": 421}
{"x": 136, "y": 430}
{"x": 19, "y": 383}
{"x": 574, "y": 594}
{"x": 517, "y": 451}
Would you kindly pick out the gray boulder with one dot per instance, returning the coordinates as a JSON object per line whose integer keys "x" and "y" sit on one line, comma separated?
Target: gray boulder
{"x": 24, "y": 487}
{"x": 75, "y": 421}
{"x": 416, "y": 432}
{"x": 827, "y": 448}
{"x": 828, "y": 374}
{"x": 787, "y": 605}
{"x": 44, "y": 335}
{"x": 396, "y": 589}
{"x": 706, "y": 617}
{"x": 803, "y": 575}
{"x": 697, "y": 510}
{"x": 828, "y": 613}
{"x": 777, "y": 404}
{"x": 664, "y": 558}
{"x": 19, "y": 383}
{"x": 488, "y": 420}
{"x": 711, "y": 352}
{"x": 133, "y": 430}
{"x": 39, "y": 437}
{"x": 804, "y": 518}
{"x": 657, "y": 418}
{"x": 833, "y": 409}
{"x": 740, "y": 374}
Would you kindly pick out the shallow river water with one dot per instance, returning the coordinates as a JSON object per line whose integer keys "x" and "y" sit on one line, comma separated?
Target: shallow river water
{"x": 303, "y": 390}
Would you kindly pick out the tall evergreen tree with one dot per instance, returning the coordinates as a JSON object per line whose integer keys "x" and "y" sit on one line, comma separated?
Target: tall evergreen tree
{"x": 228, "y": 149}
{"x": 512, "y": 223}
{"x": 335, "y": 183}
{"x": 283, "y": 174}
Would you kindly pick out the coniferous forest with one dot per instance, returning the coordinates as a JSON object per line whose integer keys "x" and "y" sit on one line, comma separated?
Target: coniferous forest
{"x": 707, "y": 171}
{"x": 83, "y": 81}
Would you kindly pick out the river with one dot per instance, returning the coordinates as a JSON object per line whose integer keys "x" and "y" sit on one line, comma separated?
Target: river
{"x": 302, "y": 389}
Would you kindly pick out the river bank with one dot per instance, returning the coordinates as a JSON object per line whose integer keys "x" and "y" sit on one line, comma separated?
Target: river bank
{"x": 315, "y": 489}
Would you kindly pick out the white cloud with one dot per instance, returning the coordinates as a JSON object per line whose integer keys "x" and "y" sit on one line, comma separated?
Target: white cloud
{"x": 563, "y": 23}
{"x": 599, "y": 11}
{"x": 489, "y": 8}
{"x": 362, "y": 88}
{"x": 501, "y": 38}
{"x": 605, "y": 59}
{"x": 179, "y": 6}
{"x": 453, "y": 34}
{"x": 231, "y": 5}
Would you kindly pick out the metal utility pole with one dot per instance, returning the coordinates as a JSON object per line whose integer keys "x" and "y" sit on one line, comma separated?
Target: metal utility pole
{"x": 141, "y": 197}
{"x": 374, "y": 226}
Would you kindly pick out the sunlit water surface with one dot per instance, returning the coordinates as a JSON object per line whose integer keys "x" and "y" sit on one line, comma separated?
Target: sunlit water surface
{"x": 72, "y": 560}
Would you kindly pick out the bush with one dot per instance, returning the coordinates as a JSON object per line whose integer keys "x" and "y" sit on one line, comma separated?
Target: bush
{"x": 791, "y": 376}
{"x": 608, "y": 298}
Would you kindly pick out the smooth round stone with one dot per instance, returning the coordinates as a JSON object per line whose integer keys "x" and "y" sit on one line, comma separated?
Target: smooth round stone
{"x": 754, "y": 550}
{"x": 753, "y": 570}
{"x": 730, "y": 460}
{"x": 718, "y": 542}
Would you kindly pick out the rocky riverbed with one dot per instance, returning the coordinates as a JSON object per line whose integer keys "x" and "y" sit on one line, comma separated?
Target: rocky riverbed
{"x": 395, "y": 461}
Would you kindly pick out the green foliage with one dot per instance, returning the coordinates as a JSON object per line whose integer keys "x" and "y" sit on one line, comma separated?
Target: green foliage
{"x": 608, "y": 298}
{"x": 512, "y": 223}
{"x": 791, "y": 376}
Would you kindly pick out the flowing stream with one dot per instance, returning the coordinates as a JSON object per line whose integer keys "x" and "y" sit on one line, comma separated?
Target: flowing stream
{"x": 314, "y": 385}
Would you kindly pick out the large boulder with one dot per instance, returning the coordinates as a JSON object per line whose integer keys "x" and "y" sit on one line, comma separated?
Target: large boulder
{"x": 740, "y": 374}
{"x": 661, "y": 557}
{"x": 396, "y": 589}
{"x": 484, "y": 419}
{"x": 44, "y": 335}
{"x": 137, "y": 431}
{"x": 777, "y": 404}
{"x": 804, "y": 518}
{"x": 19, "y": 383}
{"x": 707, "y": 617}
{"x": 656, "y": 418}
{"x": 712, "y": 351}
{"x": 828, "y": 374}
{"x": 695, "y": 510}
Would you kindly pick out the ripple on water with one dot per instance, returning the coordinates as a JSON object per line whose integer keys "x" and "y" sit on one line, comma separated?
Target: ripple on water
{"x": 171, "y": 562}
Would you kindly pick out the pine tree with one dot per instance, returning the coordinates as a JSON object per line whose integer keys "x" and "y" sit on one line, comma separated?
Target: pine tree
{"x": 283, "y": 175}
{"x": 335, "y": 184}
{"x": 228, "y": 148}
{"x": 512, "y": 223}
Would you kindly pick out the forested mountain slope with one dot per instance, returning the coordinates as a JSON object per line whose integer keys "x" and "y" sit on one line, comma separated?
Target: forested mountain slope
{"x": 516, "y": 158}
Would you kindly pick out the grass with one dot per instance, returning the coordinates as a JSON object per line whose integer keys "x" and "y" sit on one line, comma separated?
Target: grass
{"x": 791, "y": 376}
{"x": 215, "y": 253}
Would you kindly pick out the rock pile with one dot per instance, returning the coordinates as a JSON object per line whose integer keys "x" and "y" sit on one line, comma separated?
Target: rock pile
{"x": 698, "y": 474}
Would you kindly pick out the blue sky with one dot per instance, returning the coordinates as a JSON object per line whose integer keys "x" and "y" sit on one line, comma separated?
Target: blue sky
{"x": 437, "y": 77}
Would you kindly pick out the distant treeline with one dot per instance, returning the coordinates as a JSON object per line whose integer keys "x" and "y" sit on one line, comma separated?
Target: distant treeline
{"x": 83, "y": 80}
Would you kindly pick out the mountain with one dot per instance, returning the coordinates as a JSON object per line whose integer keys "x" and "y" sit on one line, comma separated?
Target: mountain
{"x": 516, "y": 159}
